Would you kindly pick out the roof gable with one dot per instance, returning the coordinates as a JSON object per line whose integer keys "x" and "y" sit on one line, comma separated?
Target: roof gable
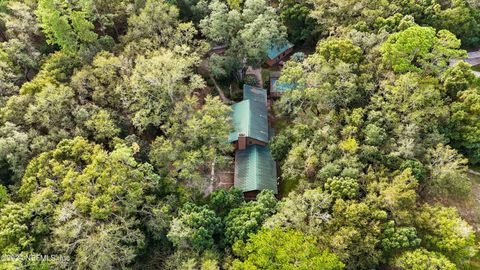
{"x": 254, "y": 94}
{"x": 255, "y": 169}
{"x": 251, "y": 119}
{"x": 276, "y": 50}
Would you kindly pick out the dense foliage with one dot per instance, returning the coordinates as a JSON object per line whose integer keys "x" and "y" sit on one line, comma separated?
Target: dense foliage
{"x": 113, "y": 129}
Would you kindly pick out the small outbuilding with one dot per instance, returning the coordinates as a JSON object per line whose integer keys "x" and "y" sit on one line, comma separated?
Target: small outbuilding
{"x": 276, "y": 53}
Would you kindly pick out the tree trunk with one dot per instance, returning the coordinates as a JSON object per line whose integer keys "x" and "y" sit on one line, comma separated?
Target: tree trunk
{"x": 219, "y": 90}
{"x": 473, "y": 172}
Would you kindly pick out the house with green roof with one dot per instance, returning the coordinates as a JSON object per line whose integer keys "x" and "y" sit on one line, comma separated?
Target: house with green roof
{"x": 250, "y": 122}
{"x": 255, "y": 170}
{"x": 276, "y": 53}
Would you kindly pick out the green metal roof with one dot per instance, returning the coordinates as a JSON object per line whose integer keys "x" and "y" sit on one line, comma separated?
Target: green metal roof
{"x": 276, "y": 50}
{"x": 255, "y": 169}
{"x": 250, "y": 118}
{"x": 281, "y": 87}
{"x": 255, "y": 94}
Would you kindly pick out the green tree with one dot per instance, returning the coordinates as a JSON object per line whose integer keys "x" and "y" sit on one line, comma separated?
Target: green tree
{"x": 317, "y": 88}
{"x": 195, "y": 228}
{"x": 221, "y": 25}
{"x": 249, "y": 217}
{"x": 42, "y": 114}
{"x": 157, "y": 26}
{"x": 192, "y": 260}
{"x": 458, "y": 17}
{"x": 442, "y": 230}
{"x": 68, "y": 24}
{"x": 15, "y": 152}
{"x": 193, "y": 149}
{"x": 447, "y": 171}
{"x": 396, "y": 238}
{"x": 354, "y": 234}
{"x": 278, "y": 249}
{"x": 52, "y": 107}
{"x": 222, "y": 67}
{"x": 14, "y": 230}
{"x": 249, "y": 33}
{"x": 235, "y": 4}
{"x": 374, "y": 135}
{"x": 420, "y": 49}
{"x": 308, "y": 212}
{"x": 422, "y": 259}
{"x": 457, "y": 78}
{"x": 47, "y": 117}
{"x": 323, "y": 144}
{"x": 296, "y": 17}
{"x": 7, "y": 78}
{"x": 85, "y": 203}
{"x": 15, "y": 237}
{"x": 22, "y": 44}
{"x": 417, "y": 167}
{"x": 346, "y": 188}
{"x": 100, "y": 81}
{"x": 333, "y": 15}
{"x": 350, "y": 229}
{"x": 464, "y": 126}
{"x": 395, "y": 193}
{"x": 4, "y": 196}
{"x": 102, "y": 125}
{"x": 157, "y": 83}
{"x": 411, "y": 109}
{"x": 223, "y": 201}
{"x": 111, "y": 17}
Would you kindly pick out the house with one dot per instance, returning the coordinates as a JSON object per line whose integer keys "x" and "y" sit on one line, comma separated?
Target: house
{"x": 255, "y": 170}
{"x": 277, "y": 52}
{"x": 250, "y": 121}
{"x": 278, "y": 88}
